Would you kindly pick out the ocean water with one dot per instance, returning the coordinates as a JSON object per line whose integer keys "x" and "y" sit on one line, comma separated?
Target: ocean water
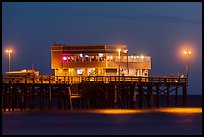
{"x": 95, "y": 122}
{"x": 163, "y": 121}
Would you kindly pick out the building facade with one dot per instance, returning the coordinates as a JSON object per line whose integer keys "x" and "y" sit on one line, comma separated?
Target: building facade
{"x": 97, "y": 60}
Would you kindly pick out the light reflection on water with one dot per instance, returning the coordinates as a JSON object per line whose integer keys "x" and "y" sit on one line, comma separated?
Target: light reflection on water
{"x": 134, "y": 111}
{"x": 104, "y": 122}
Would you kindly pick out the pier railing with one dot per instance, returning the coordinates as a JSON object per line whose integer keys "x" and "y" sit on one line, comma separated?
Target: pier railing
{"x": 46, "y": 79}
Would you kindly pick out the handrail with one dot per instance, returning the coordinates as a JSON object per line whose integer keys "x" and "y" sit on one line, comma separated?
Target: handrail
{"x": 46, "y": 79}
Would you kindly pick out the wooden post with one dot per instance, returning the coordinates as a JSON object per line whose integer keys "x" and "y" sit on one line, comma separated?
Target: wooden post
{"x": 41, "y": 97}
{"x": 134, "y": 97}
{"x": 21, "y": 98}
{"x": 176, "y": 96}
{"x": 106, "y": 94}
{"x": 168, "y": 98}
{"x": 59, "y": 98}
{"x": 50, "y": 97}
{"x": 33, "y": 96}
{"x": 24, "y": 97}
{"x": 70, "y": 98}
{"x": 30, "y": 96}
{"x": 13, "y": 97}
{"x": 9, "y": 97}
{"x": 184, "y": 98}
{"x": 157, "y": 96}
{"x": 65, "y": 98}
{"x": 16, "y": 96}
{"x": 149, "y": 96}
{"x": 140, "y": 95}
{"x": 115, "y": 96}
{"x": 5, "y": 98}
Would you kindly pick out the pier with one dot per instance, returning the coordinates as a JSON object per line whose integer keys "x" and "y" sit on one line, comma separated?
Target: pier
{"x": 87, "y": 92}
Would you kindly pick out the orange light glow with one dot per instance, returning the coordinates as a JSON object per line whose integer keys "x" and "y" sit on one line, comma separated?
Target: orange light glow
{"x": 181, "y": 110}
{"x": 187, "y": 52}
{"x": 185, "y": 49}
{"x": 135, "y": 111}
{"x": 115, "y": 111}
{"x": 7, "y": 51}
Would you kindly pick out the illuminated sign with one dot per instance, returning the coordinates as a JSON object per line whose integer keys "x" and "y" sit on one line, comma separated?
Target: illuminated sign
{"x": 65, "y": 58}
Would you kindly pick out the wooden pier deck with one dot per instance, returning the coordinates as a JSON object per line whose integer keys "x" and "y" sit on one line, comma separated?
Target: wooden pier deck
{"x": 84, "y": 92}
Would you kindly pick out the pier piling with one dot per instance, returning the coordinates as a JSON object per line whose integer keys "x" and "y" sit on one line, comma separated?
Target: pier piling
{"x": 29, "y": 93}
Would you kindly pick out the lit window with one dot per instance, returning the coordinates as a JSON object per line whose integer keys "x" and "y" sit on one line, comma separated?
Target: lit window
{"x": 100, "y": 55}
{"x": 79, "y": 71}
{"x": 125, "y": 51}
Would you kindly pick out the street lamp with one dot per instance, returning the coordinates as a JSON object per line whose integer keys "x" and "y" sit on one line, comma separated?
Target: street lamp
{"x": 126, "y": 51}
{"x": 187, "y": 53}
{"x": 119, "y": 50}
{"x": 9, "y": 58}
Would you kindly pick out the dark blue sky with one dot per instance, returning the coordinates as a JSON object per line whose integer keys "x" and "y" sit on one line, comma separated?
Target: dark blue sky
{"x": 159, "y": 30}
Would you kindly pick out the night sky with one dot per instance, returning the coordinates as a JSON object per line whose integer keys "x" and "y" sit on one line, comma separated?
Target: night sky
{"x": 160, "y": 30}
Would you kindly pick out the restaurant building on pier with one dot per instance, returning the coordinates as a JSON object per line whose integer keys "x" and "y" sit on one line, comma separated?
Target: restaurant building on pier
{"x": 97, "y": 60}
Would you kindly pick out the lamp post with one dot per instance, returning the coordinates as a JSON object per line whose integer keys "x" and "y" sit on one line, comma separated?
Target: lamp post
{"x": 119, "y": 50}
{"x": 126, "y": 51}
{"x": 187, "y": 53}
{"x": 9, "y": 58}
